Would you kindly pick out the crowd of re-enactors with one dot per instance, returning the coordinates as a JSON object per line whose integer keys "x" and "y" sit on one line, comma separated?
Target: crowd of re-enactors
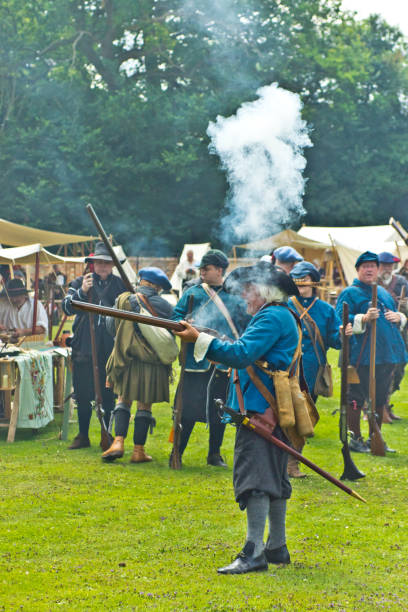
{"x": 259, "y": 320}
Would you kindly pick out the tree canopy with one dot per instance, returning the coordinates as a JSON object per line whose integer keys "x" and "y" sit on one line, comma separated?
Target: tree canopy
{"x": 108, "y": 101}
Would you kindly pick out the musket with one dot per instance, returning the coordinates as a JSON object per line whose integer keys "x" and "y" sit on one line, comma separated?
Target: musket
{"x": 264, "y": 432}
{"x": 108, "y": 245}
{"x": 401, "y": 298}
{"x": 57, "y": 335}
{"x": 350, "y": 472}
{"x": 377, "y": 445}
{"x": 106, "y": 311}
{"x": 175, "y": 461}
{"x": 106, "y": 439}
{"x": 399, "y": 229}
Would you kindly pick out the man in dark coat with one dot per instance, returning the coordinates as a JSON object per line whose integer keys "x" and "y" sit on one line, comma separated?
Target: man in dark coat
{"x": 100, "y": 287}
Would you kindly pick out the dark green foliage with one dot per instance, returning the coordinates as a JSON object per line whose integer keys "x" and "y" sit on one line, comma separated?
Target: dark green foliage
{"x": 109, "y": 102}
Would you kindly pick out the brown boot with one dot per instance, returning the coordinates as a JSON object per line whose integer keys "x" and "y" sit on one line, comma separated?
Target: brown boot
{"x": 293, "y": 469}
{"x": 116, "y": 450}
{"x": 79, "y": 441}
{"x": 139, "y": 455}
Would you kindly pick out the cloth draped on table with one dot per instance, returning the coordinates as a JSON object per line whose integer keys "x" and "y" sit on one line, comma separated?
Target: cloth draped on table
{"x": 36, "y": 397}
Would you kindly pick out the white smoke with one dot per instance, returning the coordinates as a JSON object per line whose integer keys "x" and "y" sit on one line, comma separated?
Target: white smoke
{"x": 261, "y": 150}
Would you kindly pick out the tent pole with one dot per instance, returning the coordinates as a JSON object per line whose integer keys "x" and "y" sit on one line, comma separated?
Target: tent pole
{"x": 37, "y": 276}
{"x": 339, "y": 266}
{"x": 11, "y": 270}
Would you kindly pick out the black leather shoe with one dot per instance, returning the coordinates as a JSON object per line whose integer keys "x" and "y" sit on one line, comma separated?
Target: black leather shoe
{"x": 217, "y": 460}
{"x": 279, "y": 556}
{"x": 79, "y": 442}
{"x": 357, "y": 445}
{"x": 245, "y": 562}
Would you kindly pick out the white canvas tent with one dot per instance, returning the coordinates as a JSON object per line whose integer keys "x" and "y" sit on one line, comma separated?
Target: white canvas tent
{"x": 28, "y": 255}
{"x": 287, "y": 237}
{"x": 14, "y": 234}
{"x": 350, "y": 242}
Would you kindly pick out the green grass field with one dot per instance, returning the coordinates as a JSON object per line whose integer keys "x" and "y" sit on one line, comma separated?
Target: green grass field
{"x": 77, "y": 534}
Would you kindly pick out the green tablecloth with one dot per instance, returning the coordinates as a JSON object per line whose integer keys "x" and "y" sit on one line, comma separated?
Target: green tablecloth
{"x": 35, "y": 389}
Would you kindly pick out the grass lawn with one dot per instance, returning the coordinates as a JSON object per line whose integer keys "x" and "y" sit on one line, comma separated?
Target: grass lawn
{"x": 77, "y": 534}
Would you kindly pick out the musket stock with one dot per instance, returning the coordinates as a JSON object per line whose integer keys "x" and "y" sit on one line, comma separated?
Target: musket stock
{"x": 377, "y": 445}
{"x": 106, "y": 439}
{"x": 175, "y": 461}
{"x": 256, "y": 427}
{"x": 399, "y": 229}
{"x": 350, "y": 472}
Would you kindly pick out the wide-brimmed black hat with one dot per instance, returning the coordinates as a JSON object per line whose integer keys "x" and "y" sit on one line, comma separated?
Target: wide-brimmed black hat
{"x": 262, "y": 273}
{"x": 14, "y": 286}
{"x": 101, "y": 252}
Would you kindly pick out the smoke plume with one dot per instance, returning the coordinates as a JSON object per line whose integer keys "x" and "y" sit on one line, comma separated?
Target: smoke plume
{"x": 261, "y": 150}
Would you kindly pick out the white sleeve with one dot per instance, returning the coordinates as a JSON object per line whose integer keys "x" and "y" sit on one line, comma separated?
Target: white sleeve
{"x": 201, "y": 346}
{"x": 359, "y": 326}
{"x": 403, "y": 320}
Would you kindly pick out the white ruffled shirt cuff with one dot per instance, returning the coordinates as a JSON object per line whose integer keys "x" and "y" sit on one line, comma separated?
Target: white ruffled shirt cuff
{"x": 403, "y": 320}
{"x": 359, "y": 326}
{"x": 201, "y": 346}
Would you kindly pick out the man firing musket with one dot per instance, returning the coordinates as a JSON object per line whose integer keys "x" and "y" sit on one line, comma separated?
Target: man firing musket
{"x": 270, "y": 345}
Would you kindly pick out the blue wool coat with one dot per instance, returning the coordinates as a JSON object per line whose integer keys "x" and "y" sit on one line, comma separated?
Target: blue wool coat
{"x": 272, "y": 335}
{"x": 390, "y": 346}
{"x": 206, "y": 314}
{"x": 328, "y": 322}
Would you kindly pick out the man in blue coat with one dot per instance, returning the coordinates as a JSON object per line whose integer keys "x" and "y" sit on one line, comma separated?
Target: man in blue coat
{"x": 320, "y": 331}
{"x": 261, "y": 483}
{"x": 319, "y": 322}
{"x": 390, "y": 349}
{"x": 212, "y": 307}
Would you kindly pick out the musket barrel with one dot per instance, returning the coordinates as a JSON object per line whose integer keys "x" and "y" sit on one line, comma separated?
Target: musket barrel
{"x": 106, "y": 311}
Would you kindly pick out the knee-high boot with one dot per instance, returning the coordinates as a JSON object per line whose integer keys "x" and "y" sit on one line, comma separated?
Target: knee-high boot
{"x": 121, "y": 415}
{"x": 143, "y": 421}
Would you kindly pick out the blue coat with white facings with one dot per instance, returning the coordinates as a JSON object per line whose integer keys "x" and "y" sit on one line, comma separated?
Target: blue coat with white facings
{"x": 328, "y": 322}
{"x": 206, "y": 314}
{"x": 272, "y": 335}
{"x": 389, "y": 343}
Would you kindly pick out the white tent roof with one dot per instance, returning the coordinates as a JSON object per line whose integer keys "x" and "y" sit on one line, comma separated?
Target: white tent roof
{"x": 365, "y": 237}
{"x": 27, "y": 255}
{"x": 350, "y": 242}
{"x": 14, "y": 234}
